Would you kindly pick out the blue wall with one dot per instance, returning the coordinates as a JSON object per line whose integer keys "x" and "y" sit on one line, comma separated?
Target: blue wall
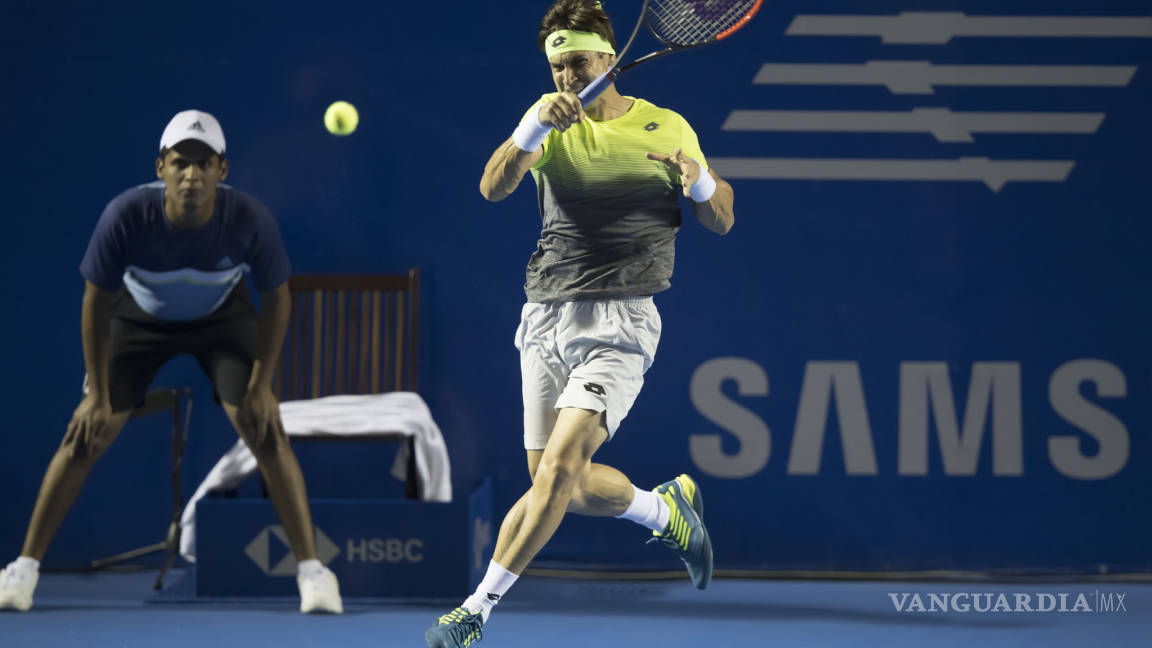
{"x": 820, "y": 303}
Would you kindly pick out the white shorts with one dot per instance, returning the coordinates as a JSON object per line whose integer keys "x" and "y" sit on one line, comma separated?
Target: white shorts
{"x": 586, "y": 354}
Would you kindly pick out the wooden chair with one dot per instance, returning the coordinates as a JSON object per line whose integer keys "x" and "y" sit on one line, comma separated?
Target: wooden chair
{"x": 352, "y": 334}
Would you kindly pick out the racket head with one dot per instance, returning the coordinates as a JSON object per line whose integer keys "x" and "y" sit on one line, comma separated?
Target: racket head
{"x": 681, "y": 24}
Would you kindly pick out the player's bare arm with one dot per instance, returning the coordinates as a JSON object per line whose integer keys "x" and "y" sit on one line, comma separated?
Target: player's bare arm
{"x": 510, "y": 162}
{"x": 715, "y": 213}
{"x": 506, "y": 169}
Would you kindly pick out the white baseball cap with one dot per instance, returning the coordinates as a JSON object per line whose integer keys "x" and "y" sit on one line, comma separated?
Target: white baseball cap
{"x": 196, "y": 125}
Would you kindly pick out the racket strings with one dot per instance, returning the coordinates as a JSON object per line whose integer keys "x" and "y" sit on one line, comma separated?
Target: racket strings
{"x": 690, "y": 22}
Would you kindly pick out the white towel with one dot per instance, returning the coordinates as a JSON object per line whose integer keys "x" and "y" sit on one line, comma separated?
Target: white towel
{"x": 395, "y": 412}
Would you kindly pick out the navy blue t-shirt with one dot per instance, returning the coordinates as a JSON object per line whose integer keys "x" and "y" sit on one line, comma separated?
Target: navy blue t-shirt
{"x": 184, "y": 274}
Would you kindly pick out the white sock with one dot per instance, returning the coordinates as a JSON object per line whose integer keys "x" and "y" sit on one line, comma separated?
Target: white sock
{"x": 496, "y": 583}
{"x": 647, "y": 509}
{"x": 26, "y": 564}
{"x": 309, "y": 568}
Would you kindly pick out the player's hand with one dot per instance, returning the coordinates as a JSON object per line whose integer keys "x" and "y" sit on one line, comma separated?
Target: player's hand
{"x": 688, "y": 169}
{"x": 87, "y": 431}
{"x": 562, "y": 112}
{"x": 260, "y": 413}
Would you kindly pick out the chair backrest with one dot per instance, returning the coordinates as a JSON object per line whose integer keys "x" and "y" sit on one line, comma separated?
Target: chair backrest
{"x": 350, "y": 334}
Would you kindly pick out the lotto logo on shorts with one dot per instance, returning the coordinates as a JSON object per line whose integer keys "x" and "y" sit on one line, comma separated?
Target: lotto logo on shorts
{"x": 594, "y": 388}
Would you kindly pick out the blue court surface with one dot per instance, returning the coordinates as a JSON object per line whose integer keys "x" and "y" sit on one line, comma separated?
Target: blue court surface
{"x": 119, "y": 609}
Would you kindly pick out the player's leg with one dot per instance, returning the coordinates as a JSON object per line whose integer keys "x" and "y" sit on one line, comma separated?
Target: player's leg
{"x": 674, "y": 511}
{"x": 585, "y": 357}
{"x": 615, "y": 349}
{"x": 577, "y": 436}
{"x": 528, "y": 525}
{"x": 135, "y": 358}
{"x": 610, "y": 346}
{"x": 602, "y": 491}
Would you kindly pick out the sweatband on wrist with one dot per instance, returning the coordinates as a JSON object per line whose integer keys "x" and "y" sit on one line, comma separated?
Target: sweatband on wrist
{"x": 704, "y": 187}
{"x": 530, "y": 134}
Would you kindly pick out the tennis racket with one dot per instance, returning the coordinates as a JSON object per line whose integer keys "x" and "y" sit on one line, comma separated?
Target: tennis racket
{"x": 680, "y": 25}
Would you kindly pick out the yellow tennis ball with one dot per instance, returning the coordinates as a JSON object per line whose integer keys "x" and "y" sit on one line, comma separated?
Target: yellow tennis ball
{"x": 341, "y": 118}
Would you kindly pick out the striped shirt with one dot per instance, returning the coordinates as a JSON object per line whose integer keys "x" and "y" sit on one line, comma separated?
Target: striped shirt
{"x": 609, "y": 214}
{"x": 184, "y": 274}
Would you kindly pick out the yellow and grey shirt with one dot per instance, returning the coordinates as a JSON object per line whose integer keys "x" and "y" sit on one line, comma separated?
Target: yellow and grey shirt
{"x": 610, "y": 215}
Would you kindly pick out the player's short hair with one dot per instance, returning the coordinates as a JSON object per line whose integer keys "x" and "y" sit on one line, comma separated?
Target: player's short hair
{"x": 579, "y": 15}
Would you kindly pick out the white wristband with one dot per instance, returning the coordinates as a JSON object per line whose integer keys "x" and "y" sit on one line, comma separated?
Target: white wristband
{"x": 530, "y": 134}
{"x": 704, "y": 187}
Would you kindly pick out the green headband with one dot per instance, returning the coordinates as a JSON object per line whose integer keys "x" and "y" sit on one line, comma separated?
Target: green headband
{"x": 570, "y": 40}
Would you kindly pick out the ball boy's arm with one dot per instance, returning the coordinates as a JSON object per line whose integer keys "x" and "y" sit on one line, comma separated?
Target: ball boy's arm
{"x": 275, "y": 312}
{"x": 95, "y": 316}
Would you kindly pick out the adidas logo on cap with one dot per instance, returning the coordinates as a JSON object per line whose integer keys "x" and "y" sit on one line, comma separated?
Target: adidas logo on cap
{"x": 193, "y": 125}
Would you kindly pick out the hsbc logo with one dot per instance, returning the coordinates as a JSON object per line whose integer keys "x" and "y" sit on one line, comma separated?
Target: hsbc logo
{"x": 385, "y": 550}
{"x": 272, "y": 543}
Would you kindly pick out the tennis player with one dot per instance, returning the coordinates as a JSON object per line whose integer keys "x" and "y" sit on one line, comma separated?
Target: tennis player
{"x": 164, "y": 276}
{"x": 608, "y": 179}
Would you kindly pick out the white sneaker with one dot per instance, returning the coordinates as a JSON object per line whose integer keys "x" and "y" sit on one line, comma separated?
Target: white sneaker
{"x": 16, "y": 587}
{"x": 320, "y": 592}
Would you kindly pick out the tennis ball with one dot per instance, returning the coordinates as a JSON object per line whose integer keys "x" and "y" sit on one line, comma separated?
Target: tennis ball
{"x": 341, "y": 118}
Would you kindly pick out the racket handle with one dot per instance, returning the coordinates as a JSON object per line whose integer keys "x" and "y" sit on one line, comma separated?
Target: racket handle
{"x": 596, "y": 88}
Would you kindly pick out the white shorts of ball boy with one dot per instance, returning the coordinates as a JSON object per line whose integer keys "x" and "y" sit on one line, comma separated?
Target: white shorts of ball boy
{"x": 586, "y": 354}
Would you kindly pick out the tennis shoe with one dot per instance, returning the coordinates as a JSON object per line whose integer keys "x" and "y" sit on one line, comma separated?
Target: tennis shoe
{"x": 457, "y": 629}
{"x": 685, "y": 534}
